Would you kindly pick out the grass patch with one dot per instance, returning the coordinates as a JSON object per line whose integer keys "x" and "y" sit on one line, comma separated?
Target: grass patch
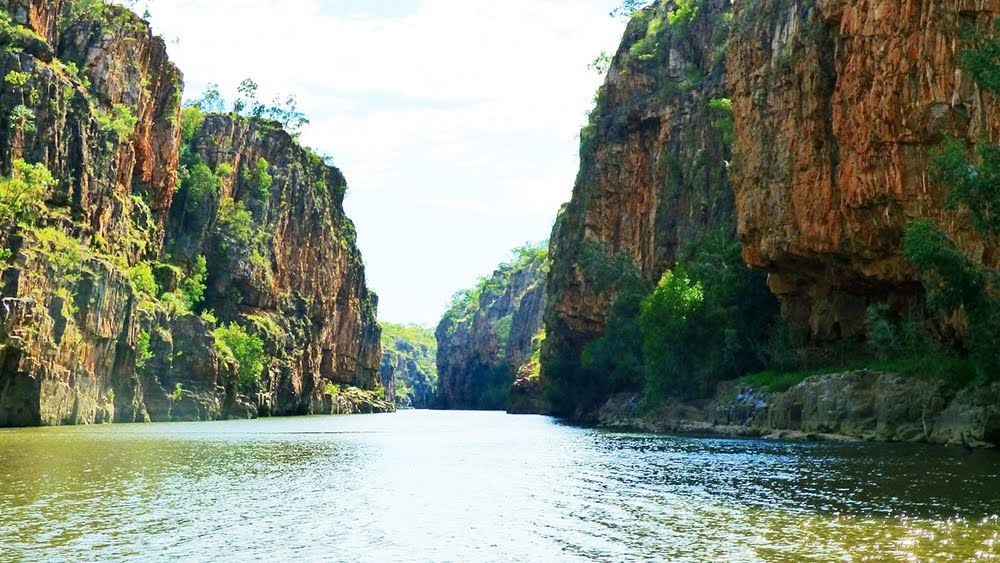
{"x": 956, "y": 373}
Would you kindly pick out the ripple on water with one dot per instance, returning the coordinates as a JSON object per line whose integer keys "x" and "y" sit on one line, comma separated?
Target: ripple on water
{"x": 420, "y": 486}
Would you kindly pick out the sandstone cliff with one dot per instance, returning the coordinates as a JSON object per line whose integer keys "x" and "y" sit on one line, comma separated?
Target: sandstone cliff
{"x": 489, "y": 333}
{"x": 652, "y": 174}
{"x": 409, "y": 365}
{"x": 85, "y": 333}
{"x": 837, "y": 104}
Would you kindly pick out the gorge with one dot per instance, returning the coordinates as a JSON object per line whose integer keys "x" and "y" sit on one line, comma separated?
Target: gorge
{"x": 131, "y": 296}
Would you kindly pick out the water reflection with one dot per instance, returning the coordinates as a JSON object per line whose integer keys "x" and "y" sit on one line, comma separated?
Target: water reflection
{"x": 481, "y": 486}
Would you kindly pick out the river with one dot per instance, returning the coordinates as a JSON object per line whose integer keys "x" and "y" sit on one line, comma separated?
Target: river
{"x": 463, "y": 486}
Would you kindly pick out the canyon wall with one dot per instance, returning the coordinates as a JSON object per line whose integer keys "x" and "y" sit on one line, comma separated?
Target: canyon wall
{"x": 85, "y": 336}
{"x": 489, "y": 333}
{"x": 653, "y": 171}
{"x": 837, "y": 105}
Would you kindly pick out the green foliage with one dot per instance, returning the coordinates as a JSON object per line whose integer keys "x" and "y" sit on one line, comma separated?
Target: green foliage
{"x": 502, "y": 330}
{"x": 601, "y": 64}
{"x": 261, "y": 180}
{"x": 247, "y": 349}
{"x": 645, "y": 49}
{"x": 283, "y": 109}
{"x": 22, "y": 194}
{"x": 65, "y": 253}
{"x": 235, "y": 224}
{"x": 22, "y": 119}
{"x": 178, "y": 393}
{"x": 74, "y": 71}
{"x": 142, "y": 351}
{"x": 723, "y": 108}
{"x": 667, "y": 333}
{"x": 224, "y": 170}
{"x": 332, "y": 389}
{"x": 466, "y": 302}
{"x": 83, "y": 9}
{"x": 708, "y": 319}
{"x": 191, "y": 119}
{"x": 200, "y": 185}
{"x": 17, "y": 79}
{"x": 983, "y": 61}
{"x": 120, "y": 121}
{"x": 211, "y": 101}
{"x": 954, "y": 282}
{"x": 410, "y": 353}
{"x": 707, "y": 323}
{"x": 613, "y": 362}
{"x": 628, "y": 8}
{"x": 889, "y": 338}
{"x": 973, "y": 185}
{"x": 683, "y": 13}
{"x": 141, "y": 276}
{"x": 192, "y": 287}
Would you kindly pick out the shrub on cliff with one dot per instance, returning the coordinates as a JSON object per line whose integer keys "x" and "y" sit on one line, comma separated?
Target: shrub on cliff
{"x": 710, "y": 318}
{"x": 22, "y": 194}
{"x": 247, "y": 349}
{"x": 956, "y": 284}
{"x": 707, "y": 321}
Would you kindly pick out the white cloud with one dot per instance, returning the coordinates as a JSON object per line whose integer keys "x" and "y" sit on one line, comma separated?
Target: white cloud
{"x": 455, "y": 109}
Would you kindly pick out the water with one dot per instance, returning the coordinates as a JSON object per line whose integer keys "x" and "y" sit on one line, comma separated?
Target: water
{"x": 456, "y": 486}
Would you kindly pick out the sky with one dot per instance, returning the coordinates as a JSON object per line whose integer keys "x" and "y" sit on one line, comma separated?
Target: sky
{"x": 455, "y": 122}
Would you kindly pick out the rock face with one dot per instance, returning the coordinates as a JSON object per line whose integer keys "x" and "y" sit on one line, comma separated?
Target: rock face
{"x": 837, "y": 104}
{"x": 652, "y": 170}
{"x": 863, "y": 405}
{"x": 409, "y": 365}
{"x": 82, "y": 338}
{"x": 489, "y": 334}
{"x": 299, "y": 278}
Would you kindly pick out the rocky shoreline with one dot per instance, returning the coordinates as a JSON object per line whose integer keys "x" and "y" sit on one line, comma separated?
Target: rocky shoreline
{"x": 851, "y": 406}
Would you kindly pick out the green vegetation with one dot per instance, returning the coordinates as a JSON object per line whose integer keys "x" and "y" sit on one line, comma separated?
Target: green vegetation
{"x": 409, "y": 355}
{"x": 683, "y": 13}
{"x": 259, "y": 180}
{"x": 488, "y": 311}
{"x": 22, "y": 119}
{"x": 65, "y": 253}
{"x": 708, "y": 319}
{"x": 120, "y": 121}
{"x": 141, "y": 276}
{"x": 646, "y": 48}
{"x": 192, "y": 286}
{"x": 142, "y": 351}
{"x": 983, "y": 60}
{"x": 467, "y": 302}
{"x": 628, "y": 8}
{"x": 601, "y": 64}
{"x": 178, "y": 393}
{"x": 723, "y": 108}
{"x": 957, "y": 284}
{"x": 83, "y": 9}
{"x": 17, "y": 79}
{"x": 283, "y": 110}
{"x": 233, "y": 341}
{"x": 23, "y": 193}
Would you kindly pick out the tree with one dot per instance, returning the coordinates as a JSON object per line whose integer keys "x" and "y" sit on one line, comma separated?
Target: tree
{"x": 22, "y": 194}
{"x": 247, "y": 349}
{"x": 954, "y": 282}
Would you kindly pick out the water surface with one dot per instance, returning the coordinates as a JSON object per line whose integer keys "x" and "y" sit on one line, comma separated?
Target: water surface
{"x": 460, "y": 486}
